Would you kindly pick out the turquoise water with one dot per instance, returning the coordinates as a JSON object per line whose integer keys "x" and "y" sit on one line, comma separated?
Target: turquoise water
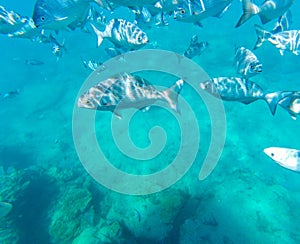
{"x": 247, "y": 199}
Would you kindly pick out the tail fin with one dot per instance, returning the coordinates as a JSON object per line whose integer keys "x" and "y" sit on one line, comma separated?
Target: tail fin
{"x": 171, "y": 95}
{"x": 99, "y": 35}
{"x": 274, "y": 98}
{"x": 249, "y": 10}
{"x": 262, "y": 36}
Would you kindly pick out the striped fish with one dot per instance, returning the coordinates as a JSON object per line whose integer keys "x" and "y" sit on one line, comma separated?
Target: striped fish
{"x": 283, "y": 23}
{"x": 127, "y": 91}
{"x": 291, "y": 103}
{"x": 123, "y": 34}
{"x": 247, "y": 63}
{"x": 284, "y": 41}
{"x": 268, "y": 10}
{"x": 286, "y": 157}
{"x": 241, "y": 90}
{"x": 195, "y": 48}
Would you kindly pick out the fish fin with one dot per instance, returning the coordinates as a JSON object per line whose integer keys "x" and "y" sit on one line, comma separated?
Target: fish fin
{"x": 274, "y": 98}
{"x": 281, "y": 52}
{"x": 99, "y": 2}
{"x": 171, "y": 95}
{"x": 264, "y": 20}
{"x": 247, "y": 102}
{"x": 117, "y": 114}
{"x": 198, "y": 23}
{"x": 293, "y": 116}
{"x": 99, "y": 35}
{"x": 145, "y": 109}
{"x": 262, "y": 36}
{"x": 222, "y": 12}
{"x": 249, "y": 10}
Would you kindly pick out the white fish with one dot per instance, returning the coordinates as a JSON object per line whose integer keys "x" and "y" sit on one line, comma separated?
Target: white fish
{"x": 127, "y": 91}
{"x": 268, "y": 10}
{"x": 284, "y": 41}
{"x": 247, "y": 63}
{"x": 286, "y": 157}
{"x": 291, "y": 103}
{"x": 123, "y": 34}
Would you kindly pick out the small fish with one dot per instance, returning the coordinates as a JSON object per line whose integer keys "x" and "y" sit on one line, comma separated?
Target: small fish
{"x": 284, "y": 41}
{"x": 195, "y": 48}
{"x": 91, "y": 64}
{"x": 241, "y": 90}
{"x": 247, "y": 63}
{"x": 127, "y": 91}
{"x": 286, "y": 157}
{"x": 10, "y": 21}
{"x": 291, "y": 103}
{"x": 10, "y": 94}
{"x": 268, "y": 10}
{"x": 5, "y": 208}
{"x": 283, "y": 23}
{"x": 34, "y": 62}
{"x": 58, "y": 49}
{"x": 194, "y": 11}
{"x": 60, "y": 14}
{"x": 123, "y": 34}
{"x": 113, "y": 52}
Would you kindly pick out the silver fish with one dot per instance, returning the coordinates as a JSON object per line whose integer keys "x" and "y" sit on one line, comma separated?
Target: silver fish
{"x": 283, "y": 23}
{"x": 10, "y": 21}
{"x": 268, "y": 10}
{"x": 284, "y": 41}
{"x": 123, "y": 34}
{"x": 195, "y": 48}
{"x": 91, "y": 64}
{"x": 286, "y": 157}
{"x": 34, "y": 62}
{"x": 241, "y": 90}
{"x": 194, "y": 11}
{"x": 60, "y": 14}
{"x": 10, "y": 94}
{"x": 291, "y": 103}
{"x": 247, "y": 63}
{"x": 127, "y": 91}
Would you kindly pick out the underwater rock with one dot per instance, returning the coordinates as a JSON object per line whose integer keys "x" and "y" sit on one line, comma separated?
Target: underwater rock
{"x": 148, "y": 217}
{"x": 67, "y": 214}
{"x": 87, "y": 236}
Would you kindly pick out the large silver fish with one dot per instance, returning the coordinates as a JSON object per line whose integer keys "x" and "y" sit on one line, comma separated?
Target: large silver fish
{"x": 128, "y": 91}
{"x": 241, "y": 90}
{"x": 286, "y": 157}
{"x": 247, "y": 63}
{"x": 123, "y": 34}
{"x": 60, "y": 14}
{"x": 283, "y": 23}
{"x": 10, "y": 21}
{"x": 291, "y": 103}
{"x": 268, "y": 10}
{"x": 284, "y": 41}
{"x": 194, "y": 11}
{"x": 195, "y": 48}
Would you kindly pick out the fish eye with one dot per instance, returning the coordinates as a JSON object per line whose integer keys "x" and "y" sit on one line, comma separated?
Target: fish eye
{"x": 140, "y": 38}
{"x": 272, "y": 154}
{"x": 43, "y": 18}
{"x": 182, "y": 11}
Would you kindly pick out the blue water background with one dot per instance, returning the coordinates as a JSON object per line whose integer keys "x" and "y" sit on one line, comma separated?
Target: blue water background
{"x": 252, "y": 198}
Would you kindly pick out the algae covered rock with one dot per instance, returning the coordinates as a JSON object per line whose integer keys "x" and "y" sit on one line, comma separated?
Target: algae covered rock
{"x": 5, "y": 208}
{"x": 147, "y": 217}
{"x": 67, "y": 214}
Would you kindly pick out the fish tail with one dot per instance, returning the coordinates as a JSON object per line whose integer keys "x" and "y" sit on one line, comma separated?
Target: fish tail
{"x": 171, "y": 95}
{"x": 99, "y": 35}
{"x": 274, "y": 98}
{"x": 262, "y": 36}
{"x": 249, "y": 9}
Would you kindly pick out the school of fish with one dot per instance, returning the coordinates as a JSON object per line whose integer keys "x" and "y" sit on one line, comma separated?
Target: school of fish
{"x": 128, "y": 91}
